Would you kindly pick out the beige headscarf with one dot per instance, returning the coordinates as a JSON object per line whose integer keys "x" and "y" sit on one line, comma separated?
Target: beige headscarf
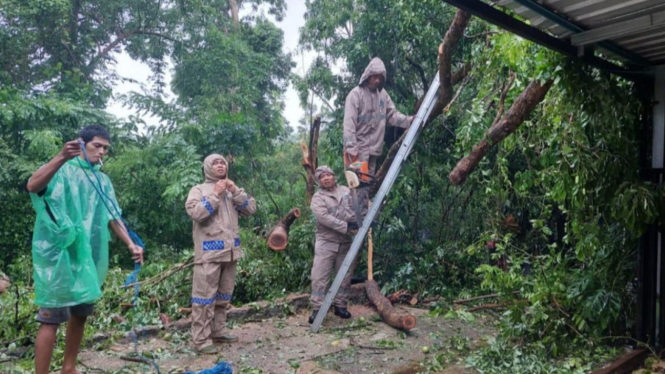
{"x": 323, "y": 169}
{"x": 211, "y": 176}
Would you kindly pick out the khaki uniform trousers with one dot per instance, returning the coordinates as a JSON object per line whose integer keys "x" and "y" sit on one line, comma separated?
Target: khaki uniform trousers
{"x": 212, "y": 291}
{"x": 326, "y": 256}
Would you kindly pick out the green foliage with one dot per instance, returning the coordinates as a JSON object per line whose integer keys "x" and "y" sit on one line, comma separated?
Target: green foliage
{"x": 561, "y": 198}
{"x": 501, "y": 356}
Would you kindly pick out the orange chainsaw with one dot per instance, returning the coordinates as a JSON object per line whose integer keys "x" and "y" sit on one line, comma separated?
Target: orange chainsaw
{"x": 356, "y": 173}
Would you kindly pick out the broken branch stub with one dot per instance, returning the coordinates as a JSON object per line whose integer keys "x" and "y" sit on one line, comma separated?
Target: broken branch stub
{"x": 310, "y": 155}
{"x": 4, "y": 283}
{"x": 278, "y": 237}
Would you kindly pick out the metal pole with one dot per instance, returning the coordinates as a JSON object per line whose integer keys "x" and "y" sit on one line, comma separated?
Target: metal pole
{"x": 389, "y": 180}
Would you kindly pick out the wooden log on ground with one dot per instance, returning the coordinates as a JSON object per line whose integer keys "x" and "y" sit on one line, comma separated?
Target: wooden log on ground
{"x": 278, "y": 237}
{"x": 389, "y": 314}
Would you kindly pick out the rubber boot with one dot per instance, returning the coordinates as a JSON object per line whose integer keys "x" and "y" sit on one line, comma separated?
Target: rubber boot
{"x": 342, "y": 313}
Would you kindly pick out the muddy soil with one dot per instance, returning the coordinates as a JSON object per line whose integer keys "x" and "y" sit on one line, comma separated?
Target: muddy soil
{"x": 285, "y": 344}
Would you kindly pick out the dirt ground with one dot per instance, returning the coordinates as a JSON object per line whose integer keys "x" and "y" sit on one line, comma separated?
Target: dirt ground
{"x": 362, "y": 344}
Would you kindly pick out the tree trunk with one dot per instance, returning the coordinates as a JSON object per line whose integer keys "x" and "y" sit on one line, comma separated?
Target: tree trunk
{"x": 279, "y": 236}
{"x": 309, "y": 157}
{"x": 389, "y": 314}
{"x": 234, "y": 13}
{"x": 532, "y": 95}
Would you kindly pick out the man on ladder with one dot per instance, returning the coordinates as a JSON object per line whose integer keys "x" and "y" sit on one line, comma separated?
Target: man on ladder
{"x": 367, "y": 110}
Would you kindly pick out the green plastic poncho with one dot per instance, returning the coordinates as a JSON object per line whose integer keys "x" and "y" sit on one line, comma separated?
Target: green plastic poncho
{"x": 70, "y": 244}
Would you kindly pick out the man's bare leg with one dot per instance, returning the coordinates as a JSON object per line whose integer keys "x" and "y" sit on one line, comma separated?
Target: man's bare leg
{"x": 44, "y": 347}
{"x": 75, "y": 329}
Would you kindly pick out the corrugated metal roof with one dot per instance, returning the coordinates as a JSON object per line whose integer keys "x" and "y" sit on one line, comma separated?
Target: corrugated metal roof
{"x": 648, "y": 43}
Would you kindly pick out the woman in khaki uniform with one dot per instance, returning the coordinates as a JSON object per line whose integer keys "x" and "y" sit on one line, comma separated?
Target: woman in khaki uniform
{"x": 215, "y": 206}
{"x": 335, "y": 225}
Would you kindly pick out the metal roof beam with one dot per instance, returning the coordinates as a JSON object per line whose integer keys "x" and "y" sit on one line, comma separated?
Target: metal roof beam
{"x": 610, "y": 47}
{"x": 620, "y": 29}
{"x": 511, "y": 24}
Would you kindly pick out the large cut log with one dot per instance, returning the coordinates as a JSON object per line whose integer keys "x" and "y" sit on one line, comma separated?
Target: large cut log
{"x": 532, "y": 95}
{"x": 385, "y": 308}
{"x": 278, "y": 237}
{"x": 389, "y": 314}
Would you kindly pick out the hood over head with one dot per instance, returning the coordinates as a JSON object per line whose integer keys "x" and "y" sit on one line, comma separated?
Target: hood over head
{"x": 375, "y": 66}
{"x": 208, "y": 170}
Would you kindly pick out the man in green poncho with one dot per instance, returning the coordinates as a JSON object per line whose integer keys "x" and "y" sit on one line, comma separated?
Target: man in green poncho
{"x": 76, "y": 206}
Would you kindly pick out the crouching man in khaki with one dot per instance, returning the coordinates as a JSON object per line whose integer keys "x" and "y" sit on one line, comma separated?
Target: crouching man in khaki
{"x": 335, "y": 225}
{"x": 215, "y": 206}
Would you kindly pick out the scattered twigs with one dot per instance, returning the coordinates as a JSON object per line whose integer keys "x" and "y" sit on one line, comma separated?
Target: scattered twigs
{"x": 471, "y": 299}
{"x": 481, "y": 297}
{"x": 311, "y": 358}
{"x": 165, "y": 274}
{"x": 485, "y": 306}
{"x": 374, "y": 348}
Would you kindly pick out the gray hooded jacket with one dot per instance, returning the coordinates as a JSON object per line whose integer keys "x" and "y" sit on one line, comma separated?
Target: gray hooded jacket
{"x": 366, "y": 113}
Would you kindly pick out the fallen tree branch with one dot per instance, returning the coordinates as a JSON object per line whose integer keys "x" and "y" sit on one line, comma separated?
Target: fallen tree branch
{"x": 374, "y": 348}
{"x": 450, "y": 41}
{"x": 485, "y": 306}
{"x": 446, "y": 94}
{"x": 165, "y": 274}
{"x": 532, "y": 95}
{"x": 466, "y": 301}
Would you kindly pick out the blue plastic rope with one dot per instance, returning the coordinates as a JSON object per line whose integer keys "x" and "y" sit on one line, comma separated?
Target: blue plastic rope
{"x": 132, "y": 278}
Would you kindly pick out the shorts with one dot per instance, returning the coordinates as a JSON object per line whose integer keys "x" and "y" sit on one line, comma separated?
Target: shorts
{"x": 56, "y": 316}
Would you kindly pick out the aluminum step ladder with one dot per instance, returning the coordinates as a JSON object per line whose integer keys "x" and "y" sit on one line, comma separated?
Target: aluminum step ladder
{"x": 404, "y": 150}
